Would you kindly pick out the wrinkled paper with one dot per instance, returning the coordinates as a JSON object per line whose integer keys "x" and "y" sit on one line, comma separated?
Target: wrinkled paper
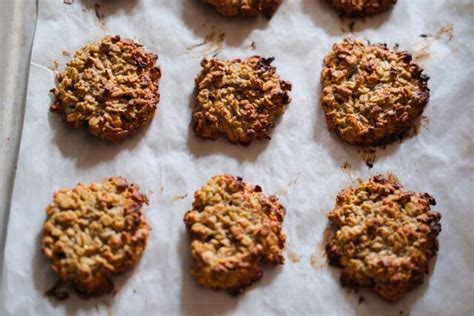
{"x": 303, "y": 164}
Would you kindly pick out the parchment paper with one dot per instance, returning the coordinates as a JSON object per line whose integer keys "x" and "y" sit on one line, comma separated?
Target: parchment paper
{"x": 301, "y": 164}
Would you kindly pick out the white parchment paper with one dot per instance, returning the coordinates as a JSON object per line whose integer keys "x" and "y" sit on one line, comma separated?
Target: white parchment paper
{"x": 301, "y": 164}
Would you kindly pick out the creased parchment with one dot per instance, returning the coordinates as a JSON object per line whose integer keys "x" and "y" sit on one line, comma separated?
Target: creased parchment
{"x": 303, "y": 164}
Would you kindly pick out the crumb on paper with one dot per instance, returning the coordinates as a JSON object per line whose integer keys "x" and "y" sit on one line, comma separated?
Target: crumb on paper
{"x": 68, "y": 1}
{"x": 54, "y": 65}
{"x": 396, "y": 46}
{"x": 162, "y": 189}
{"x": 361, "y": 300}
{"x": 253, "y": 45}
{"x": 179, "y": 197}
{"x": 293, "y": 256}
{"x": 66, "y": 54}
{"x": 347, "y": 168}
{"x": 368, "y": 155}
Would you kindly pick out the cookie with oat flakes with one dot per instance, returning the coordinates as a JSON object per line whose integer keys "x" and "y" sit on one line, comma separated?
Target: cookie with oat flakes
{"x": 234, "y": 229}
{"x": 94, "y": 232}
{"x": 110, "y": 86}
{"x": 385, "y": 236}
{"x": 371, "y": 95}
{"x": 362, "y": 7}
{"x": 245, "y": 7}
{"x": 240, "y": 99}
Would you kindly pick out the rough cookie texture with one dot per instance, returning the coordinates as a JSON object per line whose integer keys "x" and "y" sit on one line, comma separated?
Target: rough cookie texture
{"x": 370, "y": 94}
{"x": 110, "y": 86}
{"x": 361, "y": 7}
{"x": 234, "y": 228}
{"x": 245, "y": 7}
{"x": 240, "y": 99}
{"x": 385, "y": 236}
{"x": 93, "y": 232}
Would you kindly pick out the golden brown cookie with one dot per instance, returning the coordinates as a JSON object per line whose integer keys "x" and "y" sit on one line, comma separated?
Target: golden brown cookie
{"x": 245, "y": 7}
{"x": 385, "y": 236}
{"x": 239, "y": 98}
{"x": 110, "y": 86}
{"x": 234, "y": 229}
{"x": 371, "y": 95}
{"x": 94, "y": 232}
{"x": 362, "y": 7}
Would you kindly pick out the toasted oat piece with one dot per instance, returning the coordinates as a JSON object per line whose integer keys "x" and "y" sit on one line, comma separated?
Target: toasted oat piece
{"x": 240, "y": 99}
{"x": 362, "y": 7}
{"x": 245, "y": 7}
{"x": 385, "y": 236}
{"x": 234, "y": 228}
{"x": 371, "y": 95}
{"x": 94, "y": 232}
{"x": 110, "y": 86}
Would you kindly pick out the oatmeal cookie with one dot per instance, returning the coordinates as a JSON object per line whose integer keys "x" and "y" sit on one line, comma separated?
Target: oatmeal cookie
{"x": 93, "y": 232}
{"x": 371, "y": 95}
{"x": 385, "y": 236}
{"x": 361, "y": 7}
{"x": 245, "y": 7}
{"x": 240, "y": 99}
{"x": 234, "y": 228}
{"x": 110, "y": 86}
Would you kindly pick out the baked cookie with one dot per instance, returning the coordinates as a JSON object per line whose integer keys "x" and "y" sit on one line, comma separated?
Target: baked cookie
{"x": 245, "y": 7}
{"x": 239, "y": 98}
{"x": 110, "y": 86}
{"x": 384, "y": 237}
{"x": 234, "y": 228}
{"x": 361, "y": 7}
{"x": 371, "y": 95}
{"x": 94, "y": 232}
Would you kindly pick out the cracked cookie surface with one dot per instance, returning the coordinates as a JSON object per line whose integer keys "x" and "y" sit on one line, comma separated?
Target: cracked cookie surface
{"x": 245, "y": 7}
{"x": 371, "y": 95}
{"x": 94, "y": 232}
{"x": 385, "y": 236}
{"x": 234, "y": 229}
{"x": 361, "y": 7}
{"x": 240, "y": 99}
{"x": 110, "y": 86}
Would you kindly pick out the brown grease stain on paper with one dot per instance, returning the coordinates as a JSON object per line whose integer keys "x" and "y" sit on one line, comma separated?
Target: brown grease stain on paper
{"x": 179, "y": 197}
{"x": 212, "y": 44}
{"x": 318, "y": 259}
{"x": 424, "y": 52}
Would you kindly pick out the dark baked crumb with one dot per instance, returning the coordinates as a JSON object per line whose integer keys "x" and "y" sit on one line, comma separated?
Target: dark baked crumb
{"x": 234, "y": 229}
{"x": 385, "y": 236}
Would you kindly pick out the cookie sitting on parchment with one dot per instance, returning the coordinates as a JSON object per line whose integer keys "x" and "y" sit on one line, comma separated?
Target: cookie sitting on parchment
{"x": 361, "y": 8}
{"x": 94, "y": 232}
{"x": 240, "y": 99}
{"x": 385, "y": 236}
{"x": 234, "y": 229}
{"x": 110, "y": 87}
{"x": 371, "y": 95}
{"x": 245, "y": 7}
